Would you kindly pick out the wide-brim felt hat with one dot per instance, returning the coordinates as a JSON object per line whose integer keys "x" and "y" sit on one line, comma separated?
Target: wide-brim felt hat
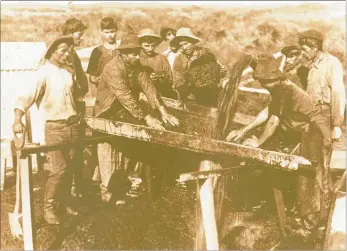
{"x": 268, "y": 68}
{"x": 165, "y": 29}
{"x": 129, "y": 42}
{"x": 183, "y": 33}
{"x": 149, "y": 33}
{"x": 54, "y": 45}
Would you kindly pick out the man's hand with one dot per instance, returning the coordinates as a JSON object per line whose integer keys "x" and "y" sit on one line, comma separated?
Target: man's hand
{"x": 252, "y": 141}
{"x": 154, "y": 77}
{"x": 336, "y": 133}
{"x": 293, "y": 165}
{"x": 236, "y": 135}
{"x": 18, "y": 127}
{"x": 167, "y": 117}
{"x": 154, "y": 123}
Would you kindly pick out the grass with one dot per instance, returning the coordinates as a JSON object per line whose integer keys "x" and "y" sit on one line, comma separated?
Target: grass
{"x": 227, "y": 32}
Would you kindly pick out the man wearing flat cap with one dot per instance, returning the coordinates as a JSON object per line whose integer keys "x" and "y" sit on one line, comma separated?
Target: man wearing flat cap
{"x": 196, "y": 70}
{"x": 55, "y": 91}
{"x": 157, "y": 65}
{"x": 121, "y": 82}
{"x": 326, "y": 89}
{"x": 292, "y": 113}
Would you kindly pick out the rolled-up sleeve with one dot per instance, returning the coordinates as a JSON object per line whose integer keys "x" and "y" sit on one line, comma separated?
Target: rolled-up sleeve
{"x": 149, "y": 90}
{"x": 31, "y": 93}
{"x": 338, "y": 95}
{"x": 119, "y": 86}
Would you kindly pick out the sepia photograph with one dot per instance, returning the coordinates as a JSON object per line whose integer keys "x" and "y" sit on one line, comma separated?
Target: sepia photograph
{"x": 173, "y": 125}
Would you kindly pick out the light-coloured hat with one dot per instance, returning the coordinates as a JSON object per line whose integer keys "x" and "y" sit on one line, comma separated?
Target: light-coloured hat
{"x": 185, "y": 33}
{"x": 149, "y": 33}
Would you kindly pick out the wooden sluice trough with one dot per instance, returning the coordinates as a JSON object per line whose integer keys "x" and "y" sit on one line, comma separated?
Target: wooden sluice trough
{"x": 194, "y": 139}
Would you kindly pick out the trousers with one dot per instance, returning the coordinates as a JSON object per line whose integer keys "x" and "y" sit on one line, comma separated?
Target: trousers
{"x": 64, "y": 162}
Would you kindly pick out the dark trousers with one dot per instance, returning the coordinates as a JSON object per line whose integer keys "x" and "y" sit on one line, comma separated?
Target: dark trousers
{"x": 63, "y": 162}
{"x": 314, "y": 192}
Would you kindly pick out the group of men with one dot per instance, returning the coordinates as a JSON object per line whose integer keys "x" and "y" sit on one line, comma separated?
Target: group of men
{"x": 123, "y": 70}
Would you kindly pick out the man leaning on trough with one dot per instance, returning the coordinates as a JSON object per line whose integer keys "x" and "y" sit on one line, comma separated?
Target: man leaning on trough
{"x": 118, "y": 92}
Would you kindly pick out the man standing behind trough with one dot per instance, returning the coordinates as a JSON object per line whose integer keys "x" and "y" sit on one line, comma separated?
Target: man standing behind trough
{"x": 156, "y": 64}
{"x": 75, "y": 28}
{"x": 103, "y": 53}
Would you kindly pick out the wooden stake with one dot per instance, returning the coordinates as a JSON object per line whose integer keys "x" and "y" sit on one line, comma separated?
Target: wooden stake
{"x": 208, "y": 215}
{"x": 27, "y": 210}
{"x": 281, "y": 210}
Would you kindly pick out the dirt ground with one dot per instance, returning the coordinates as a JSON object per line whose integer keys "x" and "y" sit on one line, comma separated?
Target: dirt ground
{"x": 166, "y": 223}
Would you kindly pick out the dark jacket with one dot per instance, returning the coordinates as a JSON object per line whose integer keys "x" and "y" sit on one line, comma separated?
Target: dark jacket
{"x": 120, "y": 86}
{"x": 199, "y": 71}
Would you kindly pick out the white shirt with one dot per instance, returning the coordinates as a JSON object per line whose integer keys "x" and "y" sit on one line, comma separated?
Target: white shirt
{"x": 52, "y": 91}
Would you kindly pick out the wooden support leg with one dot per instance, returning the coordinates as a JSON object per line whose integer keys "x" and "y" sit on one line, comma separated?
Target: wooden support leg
{"x": 337, "y": 186}
{"x": 207, "y": 228}
{"x": 3, "y": 173}
{"x": 281, "y": 211}
{"x": 208, "y": 215}
{"x": 27, "y": 206}
{"x": 148, "y": 180}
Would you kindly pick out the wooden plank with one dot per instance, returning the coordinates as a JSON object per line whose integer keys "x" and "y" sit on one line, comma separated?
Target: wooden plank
{"x": 193, "y": 143}
{"x": 27, "y": 206}
{"x": 337, "y": 187}
{"x": 208, "y": 215}
{"x": 35, "y": 148}
{"x": 281, "y": 210}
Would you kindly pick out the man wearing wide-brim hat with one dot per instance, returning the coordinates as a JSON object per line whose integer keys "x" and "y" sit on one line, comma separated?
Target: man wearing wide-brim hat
{"x": 121, "y": 82}
{"x": 292, "y": 113}
{"x": 55, "y": 92}
{"x": 156, "y": 64}
{"x": 196, "y": 70}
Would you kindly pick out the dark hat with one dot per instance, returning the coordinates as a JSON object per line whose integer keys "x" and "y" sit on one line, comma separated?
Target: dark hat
{"x": 268, "y": 68}
{"x": 129, "y": 41}
{"x": 291, "y": 51}
{"x": 60, "y": 40}
{"x": 312, "y": 34}
{"x": 164, "y": 30}
{"x": 108, "y": 23}
{"x": 72, "y": 25}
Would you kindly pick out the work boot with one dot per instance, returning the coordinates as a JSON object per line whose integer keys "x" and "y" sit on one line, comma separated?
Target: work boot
{"x": 49, "y": 213}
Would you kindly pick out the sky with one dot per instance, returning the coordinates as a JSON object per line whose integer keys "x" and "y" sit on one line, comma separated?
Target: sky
{"x": 200, "y": 3}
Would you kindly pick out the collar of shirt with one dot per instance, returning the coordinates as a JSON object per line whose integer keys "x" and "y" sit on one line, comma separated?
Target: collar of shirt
{"x": 145, "y": 56}
{"x": 318, "y": 60}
